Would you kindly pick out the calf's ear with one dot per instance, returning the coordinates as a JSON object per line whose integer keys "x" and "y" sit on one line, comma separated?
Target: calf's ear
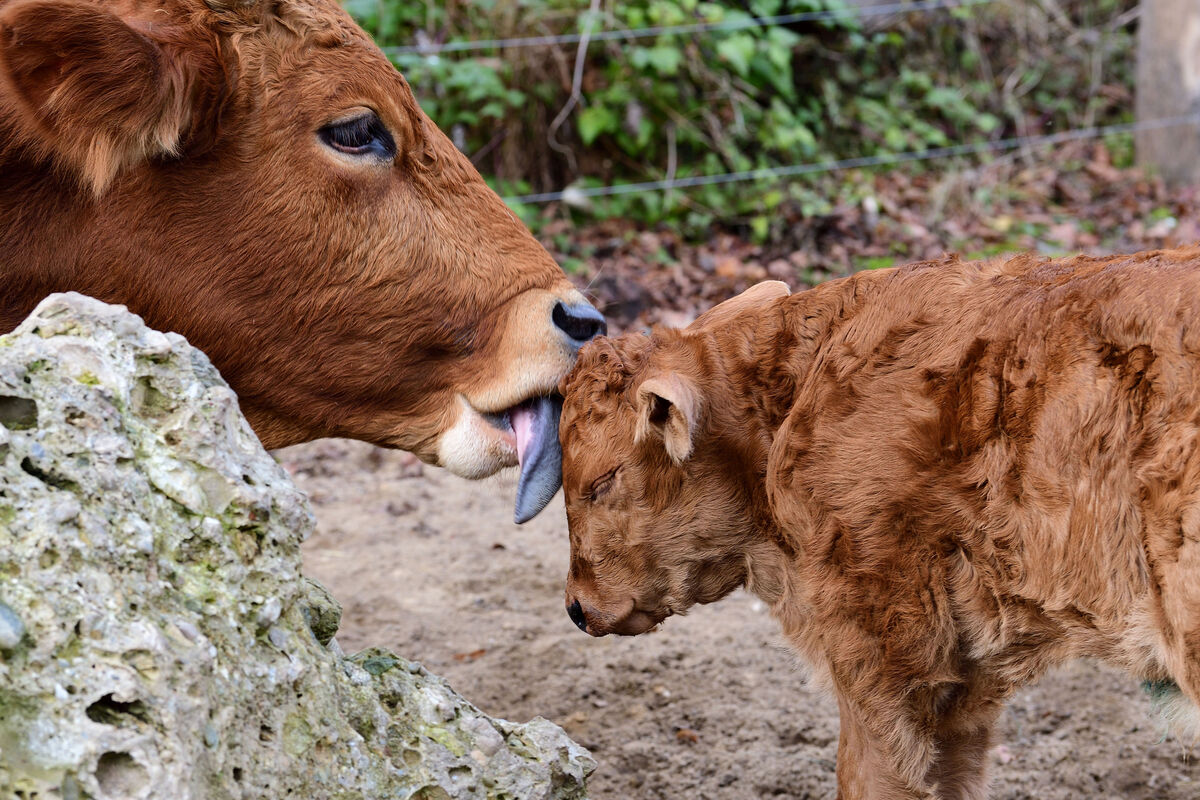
{"x": 669, "y": 407}
{"x": 757, "y": 295}
{"x": 92, "y": 92}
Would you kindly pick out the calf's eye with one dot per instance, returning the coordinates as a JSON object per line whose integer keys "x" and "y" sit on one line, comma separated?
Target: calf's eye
{"x": 364, "y": 135}
{"x": 601, "y": 485}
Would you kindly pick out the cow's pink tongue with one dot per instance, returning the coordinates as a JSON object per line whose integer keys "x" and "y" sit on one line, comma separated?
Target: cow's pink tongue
{"x": 535, "y": 424}
{"x": 522, "y": 418}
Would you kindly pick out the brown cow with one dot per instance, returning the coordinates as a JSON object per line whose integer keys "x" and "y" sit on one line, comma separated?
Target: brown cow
{"x": 943, "y": 479}
{"x": 255, "y": 175}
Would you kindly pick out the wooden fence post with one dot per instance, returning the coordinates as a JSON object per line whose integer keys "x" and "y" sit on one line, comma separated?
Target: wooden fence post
{"x": 1168, "y": 85}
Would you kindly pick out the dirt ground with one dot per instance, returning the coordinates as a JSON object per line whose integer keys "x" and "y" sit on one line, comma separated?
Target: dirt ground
{"x": 712, "y": 706}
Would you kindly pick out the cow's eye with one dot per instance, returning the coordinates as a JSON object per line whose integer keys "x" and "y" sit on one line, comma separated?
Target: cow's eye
{"x": 601, "y": 485}
{"x": 364, "y": 135}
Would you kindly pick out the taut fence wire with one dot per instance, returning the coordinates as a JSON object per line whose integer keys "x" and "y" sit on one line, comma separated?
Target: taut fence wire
{"x": 574, "y": 194}
{"x": 580, "y": 194}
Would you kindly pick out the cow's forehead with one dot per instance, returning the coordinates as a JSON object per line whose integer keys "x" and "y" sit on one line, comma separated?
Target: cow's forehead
{"x": 604, "y": 370}
{"x": 308, "y": 58}
{"x": 599, "y": 408}
{"x": 592, "y": 433}
{"x": 310, "y": 22}
{"x": 595, "y": 437}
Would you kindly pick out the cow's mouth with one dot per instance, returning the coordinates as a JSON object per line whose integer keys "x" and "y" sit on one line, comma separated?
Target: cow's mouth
{"x": 533, "y": 426}
{"x": 639, "y": 622}
{"x": 634, "y": 623}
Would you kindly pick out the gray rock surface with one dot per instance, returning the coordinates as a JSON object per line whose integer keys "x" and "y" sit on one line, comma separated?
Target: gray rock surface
{"x": 157, "y": 639}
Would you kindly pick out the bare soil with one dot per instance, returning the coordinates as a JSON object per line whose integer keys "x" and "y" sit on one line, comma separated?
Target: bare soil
{"x": 710, "y": 706}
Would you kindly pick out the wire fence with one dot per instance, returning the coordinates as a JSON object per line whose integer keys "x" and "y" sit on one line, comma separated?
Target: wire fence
{"x": 629, "y": 34}
{"x": 580, "y": 194}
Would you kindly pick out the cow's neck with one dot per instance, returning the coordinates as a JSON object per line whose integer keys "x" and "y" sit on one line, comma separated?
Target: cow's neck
{"x": 31, "y": 204}
{"x": 766, "y": 360}
{"x": 764, "y": 366}
{"x": 749, "y": 389}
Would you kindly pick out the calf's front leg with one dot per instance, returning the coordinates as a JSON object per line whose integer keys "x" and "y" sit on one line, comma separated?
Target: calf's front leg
{"x": 960, "y": 769}
{"x": 899, "y": 757}
{"x": 867, "y": 763}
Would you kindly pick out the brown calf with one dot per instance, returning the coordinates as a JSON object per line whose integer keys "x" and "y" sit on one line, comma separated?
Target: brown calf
{"x": 943, "y": 479}
{"x": 255, "y": 175}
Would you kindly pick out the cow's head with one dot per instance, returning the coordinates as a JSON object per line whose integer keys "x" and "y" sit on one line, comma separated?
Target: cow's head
{"x": 258, "y": 177}
{"x": 659, "y": 479}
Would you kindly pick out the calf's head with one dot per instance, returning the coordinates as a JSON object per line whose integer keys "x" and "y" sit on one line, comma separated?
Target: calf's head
{"x": 660, "y": 479}
{"x": 257, "y": 176}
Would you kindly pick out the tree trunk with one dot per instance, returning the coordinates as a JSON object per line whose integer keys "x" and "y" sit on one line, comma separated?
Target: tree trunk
{"x": 1168, "y": 85}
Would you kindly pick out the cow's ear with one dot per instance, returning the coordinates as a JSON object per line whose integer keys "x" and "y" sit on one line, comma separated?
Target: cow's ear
{"x": 92, "y": 92}
{"x": 757, "y": 295}
{"x": 669, "y": 406}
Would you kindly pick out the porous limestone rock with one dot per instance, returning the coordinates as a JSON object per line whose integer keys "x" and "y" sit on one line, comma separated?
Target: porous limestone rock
{"x": 156, "y": 637}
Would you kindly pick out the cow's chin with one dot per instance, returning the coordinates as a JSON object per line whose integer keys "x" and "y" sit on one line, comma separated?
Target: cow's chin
{"x": 476, "y": 445}
{"x": 532, "y": 357}
{"x": 631, "y": 623}
{"x": 637, "y": 623}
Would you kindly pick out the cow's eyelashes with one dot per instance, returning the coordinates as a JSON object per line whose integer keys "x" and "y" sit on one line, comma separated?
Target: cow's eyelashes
{"x": 364, "y": 135}
{"x": 601, "y": 485}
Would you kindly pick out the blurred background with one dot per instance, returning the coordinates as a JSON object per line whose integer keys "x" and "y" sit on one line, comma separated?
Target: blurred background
{"x": 671, "y": 152}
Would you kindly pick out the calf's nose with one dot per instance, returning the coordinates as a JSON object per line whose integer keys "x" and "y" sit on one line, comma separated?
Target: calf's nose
{"x": 575, "y": 612}
{"x": 579, "y": 321}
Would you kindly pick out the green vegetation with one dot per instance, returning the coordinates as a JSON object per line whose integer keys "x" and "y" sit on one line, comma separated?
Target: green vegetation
{"x": 717, "y": 102}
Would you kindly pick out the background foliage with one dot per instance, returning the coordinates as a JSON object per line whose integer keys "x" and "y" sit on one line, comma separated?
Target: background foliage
{"x": 729, "y": 101}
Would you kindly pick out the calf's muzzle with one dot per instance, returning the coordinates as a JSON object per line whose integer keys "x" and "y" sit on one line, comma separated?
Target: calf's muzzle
{"x": 624, "y": 620}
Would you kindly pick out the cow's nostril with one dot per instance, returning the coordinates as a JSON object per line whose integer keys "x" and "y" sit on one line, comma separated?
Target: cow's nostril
{"x": 575, "y": 612}
{"x": 581, "y": 322}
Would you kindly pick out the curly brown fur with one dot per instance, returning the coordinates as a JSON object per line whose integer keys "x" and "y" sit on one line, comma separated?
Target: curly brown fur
{"x": 944, "y": 479}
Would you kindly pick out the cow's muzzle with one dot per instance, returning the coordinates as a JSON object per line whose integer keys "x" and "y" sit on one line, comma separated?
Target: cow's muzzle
{"x": 579, "y": 321}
